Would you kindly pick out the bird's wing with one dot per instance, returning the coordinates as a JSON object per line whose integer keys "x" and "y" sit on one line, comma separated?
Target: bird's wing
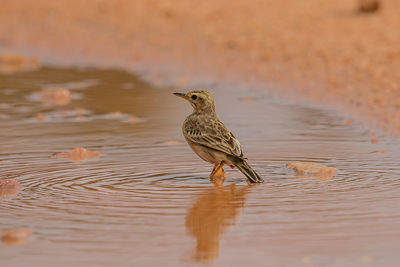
{"x": 215, "y": 135}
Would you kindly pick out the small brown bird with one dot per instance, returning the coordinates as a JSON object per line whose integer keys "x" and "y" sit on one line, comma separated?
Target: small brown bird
{"x": 210, "y": 139}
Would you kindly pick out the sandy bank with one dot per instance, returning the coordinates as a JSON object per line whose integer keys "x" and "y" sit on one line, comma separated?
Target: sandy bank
{"x": 322, "y": 50}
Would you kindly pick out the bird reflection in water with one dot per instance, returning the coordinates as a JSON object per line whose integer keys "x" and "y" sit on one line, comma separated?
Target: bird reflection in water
{"x": 213, "y": 212}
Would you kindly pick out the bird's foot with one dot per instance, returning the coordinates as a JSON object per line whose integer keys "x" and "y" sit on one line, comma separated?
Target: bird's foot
{"x": 218, "y": 170}
{"x": 217, "y": 177}
{"x": 220, "y": 173}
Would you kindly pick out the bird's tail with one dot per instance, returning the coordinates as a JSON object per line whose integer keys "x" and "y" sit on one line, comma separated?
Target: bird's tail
{"x": 244, "y": 167}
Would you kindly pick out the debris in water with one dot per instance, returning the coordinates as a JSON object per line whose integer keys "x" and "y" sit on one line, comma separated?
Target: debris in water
{"x": 374, "y": 141}
{"x": 79, "y": 153}
{"x": 13, "y": 63}
{"x": 15, "y": 237}
{"x": 312, "y": 169}
{"x": 57, "y": 96}
{"x": 9, "y": 187}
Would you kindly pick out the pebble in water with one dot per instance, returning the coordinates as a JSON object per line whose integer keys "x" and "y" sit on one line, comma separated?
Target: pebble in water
{"x": 16, "y": 236}
{"x": 9, "y": 188}
{"x": 312, "y": 169}
{"x": 79, "y": 153}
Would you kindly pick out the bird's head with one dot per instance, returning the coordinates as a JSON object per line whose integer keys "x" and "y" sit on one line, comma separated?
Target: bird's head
{"x": 201, "y": 101}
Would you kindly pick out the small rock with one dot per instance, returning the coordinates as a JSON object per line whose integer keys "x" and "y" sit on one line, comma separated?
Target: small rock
{"x": 57, "y": 96}
{"x": 9, "y": 187}
{"x": 79, "y": 153}
{"x": 312, "y": 169}
{"x": 15, "y": 237}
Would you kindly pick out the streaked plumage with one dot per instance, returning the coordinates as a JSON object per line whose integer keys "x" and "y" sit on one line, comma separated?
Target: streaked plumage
{"x": 210, "y": 139}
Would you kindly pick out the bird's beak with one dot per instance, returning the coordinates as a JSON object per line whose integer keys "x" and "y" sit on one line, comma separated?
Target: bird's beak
{"x": 182, "y": 95}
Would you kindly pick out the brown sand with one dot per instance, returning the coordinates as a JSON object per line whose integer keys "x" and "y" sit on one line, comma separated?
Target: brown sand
{"x": 323, "y": 50}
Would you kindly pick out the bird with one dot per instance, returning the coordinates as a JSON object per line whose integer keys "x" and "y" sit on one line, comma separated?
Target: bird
{"x": 210, "y": 139}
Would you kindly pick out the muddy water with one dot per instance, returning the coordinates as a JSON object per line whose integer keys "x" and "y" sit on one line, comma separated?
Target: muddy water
{"x": 147, "y": 200}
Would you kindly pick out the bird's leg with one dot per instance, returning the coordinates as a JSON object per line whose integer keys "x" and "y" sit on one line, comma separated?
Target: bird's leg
{"x": 217, "y": 176}
{"x": 220, "y": 173}
{"x": 215, "y": 166}
{"x": 217, "y": 172}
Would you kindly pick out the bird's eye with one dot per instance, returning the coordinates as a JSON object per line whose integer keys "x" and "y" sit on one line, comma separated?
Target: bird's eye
{"x": 194, "y": 97}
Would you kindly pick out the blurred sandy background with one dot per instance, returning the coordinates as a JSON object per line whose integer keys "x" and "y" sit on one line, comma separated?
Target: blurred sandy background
{"x": 326, "y": 51}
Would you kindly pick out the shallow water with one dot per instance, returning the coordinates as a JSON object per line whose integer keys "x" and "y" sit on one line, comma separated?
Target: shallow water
{"x": 147, "y": 200}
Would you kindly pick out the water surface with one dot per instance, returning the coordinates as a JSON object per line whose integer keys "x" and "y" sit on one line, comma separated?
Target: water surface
{"x": 147, "y": 200}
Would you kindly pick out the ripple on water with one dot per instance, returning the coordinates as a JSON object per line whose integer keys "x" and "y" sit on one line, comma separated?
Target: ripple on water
{"x": 149, "y": 192}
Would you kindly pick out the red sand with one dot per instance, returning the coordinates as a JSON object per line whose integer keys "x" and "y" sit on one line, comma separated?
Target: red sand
{"x": 323, "y": 50}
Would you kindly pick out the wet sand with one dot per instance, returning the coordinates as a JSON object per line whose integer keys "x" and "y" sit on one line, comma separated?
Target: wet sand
{"x": 321, "y": 50}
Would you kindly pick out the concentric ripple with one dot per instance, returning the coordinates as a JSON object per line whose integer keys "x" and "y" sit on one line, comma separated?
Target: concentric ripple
{"x": 147, "y": 199}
